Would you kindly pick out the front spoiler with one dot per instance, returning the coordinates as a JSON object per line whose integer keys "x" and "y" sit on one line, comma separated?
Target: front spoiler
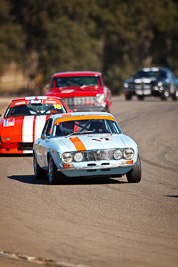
{"x": 141, "y": 92}
{"x": 9, "y": 151}
{"x": 103, "y": 167}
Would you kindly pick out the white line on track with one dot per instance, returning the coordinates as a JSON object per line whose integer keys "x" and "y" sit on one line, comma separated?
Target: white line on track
{"x": 47, "y": 262}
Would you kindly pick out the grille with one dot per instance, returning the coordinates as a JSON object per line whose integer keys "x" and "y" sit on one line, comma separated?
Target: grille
{"x": 78, "y": 101}
{"x": 143, "y": 86}
{"x": 98, "y": 155}
{"x": 24, "y": 146}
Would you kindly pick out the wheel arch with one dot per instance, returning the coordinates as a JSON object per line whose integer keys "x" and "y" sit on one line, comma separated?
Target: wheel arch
{"x": 50, "y": 154}
{"x": 34, "y": 152}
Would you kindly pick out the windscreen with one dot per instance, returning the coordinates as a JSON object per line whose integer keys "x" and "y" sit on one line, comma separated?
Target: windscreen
{"x": 32, "y": 108}
{"x": 150, "y": 74}
{"x": 94, "y": 126}
{"x": 75, "y": 81}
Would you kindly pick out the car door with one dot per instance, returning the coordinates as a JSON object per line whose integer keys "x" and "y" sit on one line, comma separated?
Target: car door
{"x": 44, "y": 144}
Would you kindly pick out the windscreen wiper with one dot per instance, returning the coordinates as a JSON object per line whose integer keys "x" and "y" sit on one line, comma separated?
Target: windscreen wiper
{"x": 79, "y": 133}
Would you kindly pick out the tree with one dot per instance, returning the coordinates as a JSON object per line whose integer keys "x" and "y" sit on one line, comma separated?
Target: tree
{"x": 115, "y": 37}
{"x": 11, "y": 37}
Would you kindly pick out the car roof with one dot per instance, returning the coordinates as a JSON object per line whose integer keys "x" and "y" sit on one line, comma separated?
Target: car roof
{"x": 36, "y": 98}
{"x": 25, "y": 100}
{"x": 76, "y": 73}
{"x": 153, "y": 69}
{"x": 80, "y": 114}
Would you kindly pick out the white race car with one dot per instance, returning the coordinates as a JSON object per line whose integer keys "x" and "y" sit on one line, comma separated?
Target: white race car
{"x": 89, "y": 144}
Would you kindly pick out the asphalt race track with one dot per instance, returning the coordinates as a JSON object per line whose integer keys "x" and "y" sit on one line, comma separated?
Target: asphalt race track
{"x": 100, "y": 222}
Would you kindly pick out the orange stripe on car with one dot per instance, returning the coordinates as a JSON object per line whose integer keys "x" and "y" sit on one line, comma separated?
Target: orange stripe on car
{"x": 66, "y": 115}
{"x": 77, "y": 143}
{"x": 88, "y": 117}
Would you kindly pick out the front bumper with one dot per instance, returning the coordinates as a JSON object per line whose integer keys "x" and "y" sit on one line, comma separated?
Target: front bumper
{"x": 138, "y": 92}
{"x": 87, "y": 103}
{"x": 153, "y": 91}
{"x": 97, "y": 170}
{"x": 87, "y": 108}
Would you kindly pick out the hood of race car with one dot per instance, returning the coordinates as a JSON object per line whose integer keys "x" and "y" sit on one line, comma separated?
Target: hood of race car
{"x": 93, "y": 142}
{"x": 23, "y": 128}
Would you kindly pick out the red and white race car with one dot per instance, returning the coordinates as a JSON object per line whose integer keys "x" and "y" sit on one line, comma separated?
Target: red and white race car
{"x": 24, "y": 120}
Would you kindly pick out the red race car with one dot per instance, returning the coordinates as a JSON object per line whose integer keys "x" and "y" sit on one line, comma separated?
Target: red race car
{"x": 81, "y": 90}
{"x": 24, "y": 120}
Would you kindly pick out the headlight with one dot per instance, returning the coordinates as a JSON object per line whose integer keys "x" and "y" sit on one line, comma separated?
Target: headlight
{"x": 117, "y": 154}
{"x": 100, "y": 98}
{"x": 128, "y": 153}
{"x": 78, "y": 156}
{"x": 67, "y": 157}
{"x": 126, "y": 85}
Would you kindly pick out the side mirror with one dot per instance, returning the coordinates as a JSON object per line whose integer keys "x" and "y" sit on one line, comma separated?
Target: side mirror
{"x": 47, "y": 86}
{"x": 43, "y": 136}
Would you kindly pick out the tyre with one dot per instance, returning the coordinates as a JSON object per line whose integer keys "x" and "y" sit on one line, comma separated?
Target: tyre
{"x": 175, "y": 95}
{"x": 107, "y": 109}
{"x": 134, "y": 175}
{"x": 39, "y": 174}
{"x": 140, "y": 97}
{"x": 128, "y": 97}
{"x": 55, "y": 177}
{"x": 165, "y": 95}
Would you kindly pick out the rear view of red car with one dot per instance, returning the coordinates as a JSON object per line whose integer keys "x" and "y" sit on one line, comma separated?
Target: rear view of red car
{"x": 81, "y": 90}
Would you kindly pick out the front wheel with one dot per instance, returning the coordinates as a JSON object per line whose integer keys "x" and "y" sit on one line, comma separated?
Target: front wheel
{"x": 134, "y": 175}
{"x": 141, "y": 97}
{"x": 55, "y": 177}
{"x": 165, "y": 95}
{"x": 39, "y": 174}
{"x": 175, "y": 95}
{"x": 107, "y": 109}
{"x": 128, "y": 97}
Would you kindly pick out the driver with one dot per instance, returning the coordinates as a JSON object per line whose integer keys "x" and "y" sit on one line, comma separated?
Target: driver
{"x": 67, "y": 127}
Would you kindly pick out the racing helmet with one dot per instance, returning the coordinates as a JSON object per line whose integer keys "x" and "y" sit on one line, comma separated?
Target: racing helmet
{"x": 67, "y": 127}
